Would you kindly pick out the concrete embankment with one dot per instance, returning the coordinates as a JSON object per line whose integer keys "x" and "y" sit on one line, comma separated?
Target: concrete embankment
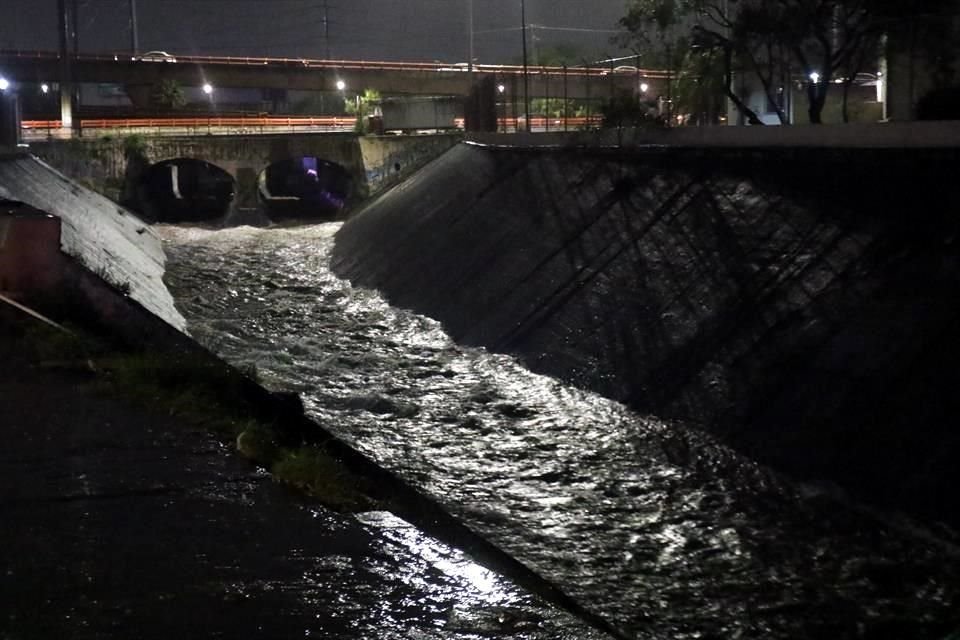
{"x": 99, "y": 242}
{"x": 800, "y": 302}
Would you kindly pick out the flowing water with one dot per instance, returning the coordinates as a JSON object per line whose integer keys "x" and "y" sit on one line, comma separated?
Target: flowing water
{"x": 654, "y": 526}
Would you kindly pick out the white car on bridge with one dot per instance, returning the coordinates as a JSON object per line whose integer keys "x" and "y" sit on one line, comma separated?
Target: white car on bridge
{"x": 156, "y": 56}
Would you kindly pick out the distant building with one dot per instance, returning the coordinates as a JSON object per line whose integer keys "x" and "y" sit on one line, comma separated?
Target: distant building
{"x": 865, "y": 101}
{"x": 923, "y": 56}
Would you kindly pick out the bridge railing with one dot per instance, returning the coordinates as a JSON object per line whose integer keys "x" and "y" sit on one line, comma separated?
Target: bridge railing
{"x": 368, "y": 65}
{"x": 38, "y": 129}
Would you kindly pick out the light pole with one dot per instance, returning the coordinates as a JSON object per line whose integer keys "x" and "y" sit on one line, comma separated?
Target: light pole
{"x": 134, "y": 38}
{"x": 526, "y": 79}
{"x": 341, "y": 87}
{"x": 45, "y": 90}
{"x": 208, "y": 90}
{"x": 470, "y": 51}
{"x": 500, "y": 89}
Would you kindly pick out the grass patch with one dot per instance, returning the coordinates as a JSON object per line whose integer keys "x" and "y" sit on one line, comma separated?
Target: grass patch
{"x": 211, "y": 395}
{"x": 321, "y": 476}
{"x": 46, "y": 343}
{"x": 204, "y": 393}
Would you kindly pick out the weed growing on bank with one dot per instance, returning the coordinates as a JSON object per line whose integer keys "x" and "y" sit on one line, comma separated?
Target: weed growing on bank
{"x": 204, "y": 393}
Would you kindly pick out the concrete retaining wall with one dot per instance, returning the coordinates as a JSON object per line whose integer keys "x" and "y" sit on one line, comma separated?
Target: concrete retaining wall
{"x": 388, "y": 160}
{"x": 891, "y": 135}
{"x": 801, "y": 303}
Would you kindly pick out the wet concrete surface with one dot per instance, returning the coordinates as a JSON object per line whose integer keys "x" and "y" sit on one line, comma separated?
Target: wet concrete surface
{"x": 122, "y": 522}
{"x": 655, "y": 527}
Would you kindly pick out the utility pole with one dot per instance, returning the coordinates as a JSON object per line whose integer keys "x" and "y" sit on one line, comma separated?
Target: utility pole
{"x": 326, "y": 29}
{"x": 134, "y": 36}
{"x": 75, "y": 31}
{"x": 66, "y": 65}
{"x": 526, "y": 78}
{"x": 470, "y": 52}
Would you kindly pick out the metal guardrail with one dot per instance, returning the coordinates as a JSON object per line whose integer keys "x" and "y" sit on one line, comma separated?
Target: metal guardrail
{"x": 272, "y": 124}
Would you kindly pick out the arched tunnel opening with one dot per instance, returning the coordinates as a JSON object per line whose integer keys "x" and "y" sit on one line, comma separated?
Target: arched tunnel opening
{"x": 185, "y": 190}
{"x": 304, "y": 187}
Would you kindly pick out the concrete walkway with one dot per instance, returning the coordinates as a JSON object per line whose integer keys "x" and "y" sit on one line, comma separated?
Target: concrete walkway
{"x": 121, "y": 523}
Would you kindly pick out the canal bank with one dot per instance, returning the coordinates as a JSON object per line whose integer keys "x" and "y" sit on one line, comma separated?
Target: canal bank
{"x": 129, "y": 516}
{"x": 797, "y": 301}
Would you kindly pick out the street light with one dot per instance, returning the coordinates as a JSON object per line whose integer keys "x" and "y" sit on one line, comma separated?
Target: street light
{"x": 45, "y": 88}
{"x": 644, "y": 87}
{"x": 815, "y": 77}
{"x": 501, "y": 88}
{"x": 341, "y": 86}
{"x": 4, "y": 84}
{"x": 208, "y": 90}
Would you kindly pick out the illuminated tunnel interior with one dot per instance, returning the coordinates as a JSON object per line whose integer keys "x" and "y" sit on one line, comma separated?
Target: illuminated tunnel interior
{"x": 303, "y": 187}
{"x": 185, "y": 190}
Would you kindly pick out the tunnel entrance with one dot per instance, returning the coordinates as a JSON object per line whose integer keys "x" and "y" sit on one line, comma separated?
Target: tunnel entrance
{"x": 185, "y": 190}
{"x": 305, "y": 187}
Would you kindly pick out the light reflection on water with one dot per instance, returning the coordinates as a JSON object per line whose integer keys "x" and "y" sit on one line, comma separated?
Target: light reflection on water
{"x": 653, "y": 526}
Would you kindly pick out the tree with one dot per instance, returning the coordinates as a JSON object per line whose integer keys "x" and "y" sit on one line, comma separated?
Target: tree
{"x": 659, "y": 28}
{"x": 774, "y": 40}
{"x": 167, "y": 95}
{"x": 362, "y": 106}
{"x": 698, "y": 90}
{"x": 623, "y": 110}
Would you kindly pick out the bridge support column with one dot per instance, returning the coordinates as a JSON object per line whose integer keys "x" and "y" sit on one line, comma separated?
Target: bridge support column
{"x": 66, "y": 107}
{"x": 9, "y": 119}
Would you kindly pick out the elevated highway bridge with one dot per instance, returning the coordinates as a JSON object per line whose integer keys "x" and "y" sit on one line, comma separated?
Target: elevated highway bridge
{"x": 137, "y": 74}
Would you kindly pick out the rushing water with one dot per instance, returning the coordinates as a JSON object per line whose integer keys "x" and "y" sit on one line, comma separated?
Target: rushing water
{"x": 653, "y": 526}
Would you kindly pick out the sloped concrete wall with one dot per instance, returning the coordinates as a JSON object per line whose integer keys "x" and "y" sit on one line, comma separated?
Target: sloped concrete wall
{"x": 107, "y": 239}
{"x": 799, "y": 303}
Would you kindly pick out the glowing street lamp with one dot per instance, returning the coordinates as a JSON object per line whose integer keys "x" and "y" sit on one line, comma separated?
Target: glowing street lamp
{"x": 208, "y": 90}
{"x": 814, "y": 77}
{"x": 644, "y": 87}
{"x": 341, "y": 85}
{"x": 4, "y": 84}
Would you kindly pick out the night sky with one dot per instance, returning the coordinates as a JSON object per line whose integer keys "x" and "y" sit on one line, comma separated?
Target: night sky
{"x": 359, "y": 29}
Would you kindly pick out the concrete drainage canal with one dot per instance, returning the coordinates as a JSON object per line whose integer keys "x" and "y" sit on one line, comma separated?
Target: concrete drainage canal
{"x": 655, "y": 528}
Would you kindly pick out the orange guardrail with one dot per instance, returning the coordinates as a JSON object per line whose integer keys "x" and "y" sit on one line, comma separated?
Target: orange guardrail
{"x": 194, "y": 122}
{"x": 511, "y": 122}
{"x": 289, "y": 124}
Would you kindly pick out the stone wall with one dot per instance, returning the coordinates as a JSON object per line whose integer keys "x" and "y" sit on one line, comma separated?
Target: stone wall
{"x": 104, "y": 163}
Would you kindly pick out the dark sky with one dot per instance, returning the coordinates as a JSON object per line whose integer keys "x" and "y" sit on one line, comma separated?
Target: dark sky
{"x": 359, "y": 29}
